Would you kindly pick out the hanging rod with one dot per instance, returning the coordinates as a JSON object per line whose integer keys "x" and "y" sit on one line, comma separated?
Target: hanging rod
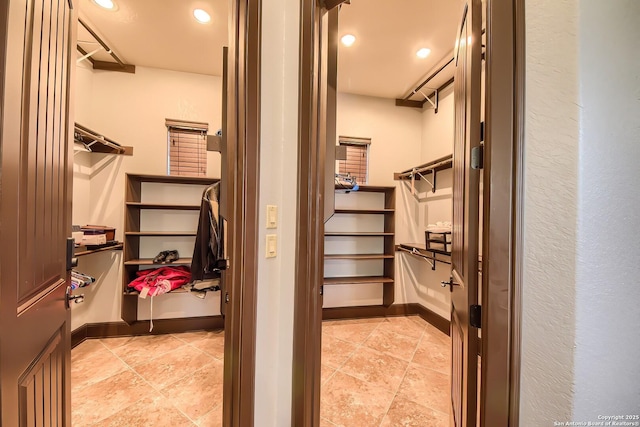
{"x": 102, "y": 43}
{"x": 97, "y": 143}
{"x": 427, "y": 80}
{"x": 103, "y": 65}
{"x": 415, "y": 252}
{"x": 442, "y": 163}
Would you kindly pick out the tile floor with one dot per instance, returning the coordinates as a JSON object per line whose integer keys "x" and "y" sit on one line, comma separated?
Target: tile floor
{"x": 160, "y": 380}
{"x": 375, "y": 372}
{"x": 385, "y": 372}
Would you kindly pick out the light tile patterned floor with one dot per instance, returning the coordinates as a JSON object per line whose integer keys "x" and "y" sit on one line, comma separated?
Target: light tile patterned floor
{"x": 160, "y": 380}
{"x": 375, "y": 372}
{"x": 385, "y": 372}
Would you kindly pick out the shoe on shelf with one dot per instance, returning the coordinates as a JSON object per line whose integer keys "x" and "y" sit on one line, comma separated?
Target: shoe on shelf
{"x": 172, "y": 256}
{"x": 166, "y": 257}
{"x": 161, "y": 257}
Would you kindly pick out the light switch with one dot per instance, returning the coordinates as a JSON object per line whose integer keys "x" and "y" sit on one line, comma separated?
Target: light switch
{"x": 272, "y": 216}
{"x": 272, "y": 246}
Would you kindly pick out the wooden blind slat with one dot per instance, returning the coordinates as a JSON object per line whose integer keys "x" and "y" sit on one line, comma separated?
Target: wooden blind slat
{"x": 187, "y": 149}
{"x": 356, "y": 161}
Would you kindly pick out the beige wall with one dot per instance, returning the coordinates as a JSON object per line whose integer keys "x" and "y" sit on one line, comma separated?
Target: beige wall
{"x": 395, "y": 134}
{"x": 401, "y": 138}
{"x": 278, "y": 172}
{"x": 421, "y": 282}
{"x": 131, "y": 109}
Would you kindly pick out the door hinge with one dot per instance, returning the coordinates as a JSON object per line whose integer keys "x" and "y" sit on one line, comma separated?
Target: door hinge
{"x": 475, "y": 316}
{"x": 481, "y": 131}
{"x": 477, "y": 157}
{"x": 226, "y": 297}
{"x": 321, "y": 289}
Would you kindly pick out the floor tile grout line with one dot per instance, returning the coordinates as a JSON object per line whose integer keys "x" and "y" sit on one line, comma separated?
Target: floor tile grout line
{"x": 157, "y": 390}
{"x": 362, "y": 344}
{"x": 186, "y": 375}
{"x": 157, "y": 355}
{"x": 105, "y": 378}
{"x": 208, "y": 412}
{"x": 123, "y": 408}
{"x": 131, "y": 368}
{"x": 161, "y": 393}
{"x": 429, "y": 369}
{"x": 357, "y": 346}
{"x": 395, "y": 395}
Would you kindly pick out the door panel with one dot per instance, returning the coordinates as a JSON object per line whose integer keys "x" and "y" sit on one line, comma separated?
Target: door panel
{"x": 464, "y": 258}
{"x": 37, "y": 39}
{"x": 39, "y": 386}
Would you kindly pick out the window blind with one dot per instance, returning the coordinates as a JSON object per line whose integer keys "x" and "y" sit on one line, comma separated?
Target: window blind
{"x": 187, "y": 148}
{"x": 357, "y": 160}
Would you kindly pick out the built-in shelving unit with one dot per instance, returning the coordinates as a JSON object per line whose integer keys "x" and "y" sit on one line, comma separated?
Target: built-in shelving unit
{"x": 386, "y": 232}
{"x": 135, "y": 230}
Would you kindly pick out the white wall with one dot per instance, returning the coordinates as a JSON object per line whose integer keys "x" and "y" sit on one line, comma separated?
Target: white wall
{"x": 131, "y": 109}
{"x": 394, "y": 132}
{"x": 580, "y": 296}
{"x": 278, "y": 166}
{"x": 607, "y": 344}
{"x": 421, "y": 283}
{"x": 550, "y": 212}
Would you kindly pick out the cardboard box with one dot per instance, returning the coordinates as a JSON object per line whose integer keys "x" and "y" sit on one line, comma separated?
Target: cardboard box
{"x": 110, "y": 232}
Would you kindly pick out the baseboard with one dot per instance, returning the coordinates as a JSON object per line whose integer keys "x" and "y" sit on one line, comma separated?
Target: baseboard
{"x": 432, "y": 318}
{"x": 366, "y": 311}
{"x": 160, "y": 326}
{"x": 362, "y": 312}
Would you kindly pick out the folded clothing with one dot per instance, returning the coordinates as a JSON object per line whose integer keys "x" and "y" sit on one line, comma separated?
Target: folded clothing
{"x": 157, "y": 281}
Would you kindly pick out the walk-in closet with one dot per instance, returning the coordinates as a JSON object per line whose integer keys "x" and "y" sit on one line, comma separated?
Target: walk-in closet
{"x": 386, "y": 350}
{"x": 147, "y": 327}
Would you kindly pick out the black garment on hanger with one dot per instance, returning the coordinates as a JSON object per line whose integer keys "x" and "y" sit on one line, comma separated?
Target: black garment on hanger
{"x": 207, "y": 253}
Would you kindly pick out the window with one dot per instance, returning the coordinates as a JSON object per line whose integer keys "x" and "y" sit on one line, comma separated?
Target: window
{"x": 356, "y": 161}
{"x": 187, "y": 148}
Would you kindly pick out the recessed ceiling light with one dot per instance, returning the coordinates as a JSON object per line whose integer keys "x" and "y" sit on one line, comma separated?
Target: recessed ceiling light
{"x": 348, "y": 39}
{"x": 201, "y": 16}
{"x": 423, "y": 53}
{"x": 107, "y": 4}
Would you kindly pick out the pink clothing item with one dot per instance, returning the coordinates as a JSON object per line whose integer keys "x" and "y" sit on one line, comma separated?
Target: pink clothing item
{"x": 161, "y": 280}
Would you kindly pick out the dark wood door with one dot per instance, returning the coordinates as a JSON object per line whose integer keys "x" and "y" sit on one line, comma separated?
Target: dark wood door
{"x": 464, "y": 265}
{"x": 36, "y": 41}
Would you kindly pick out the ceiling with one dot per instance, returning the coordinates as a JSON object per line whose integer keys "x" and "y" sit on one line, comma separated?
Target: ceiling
{"x": 160, "y": 33}
{"x": 382, "y": 62}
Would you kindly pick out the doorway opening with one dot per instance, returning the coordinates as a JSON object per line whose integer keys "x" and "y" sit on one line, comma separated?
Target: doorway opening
{"x": 149, "y": 86}
{"x": 476, "y": 235}
{"x": 388, "y": 245}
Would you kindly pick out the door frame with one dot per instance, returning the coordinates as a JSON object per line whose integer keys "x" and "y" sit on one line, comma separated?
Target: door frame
{"x": 502, "y": 220}
{"x": 242, "y": 197}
